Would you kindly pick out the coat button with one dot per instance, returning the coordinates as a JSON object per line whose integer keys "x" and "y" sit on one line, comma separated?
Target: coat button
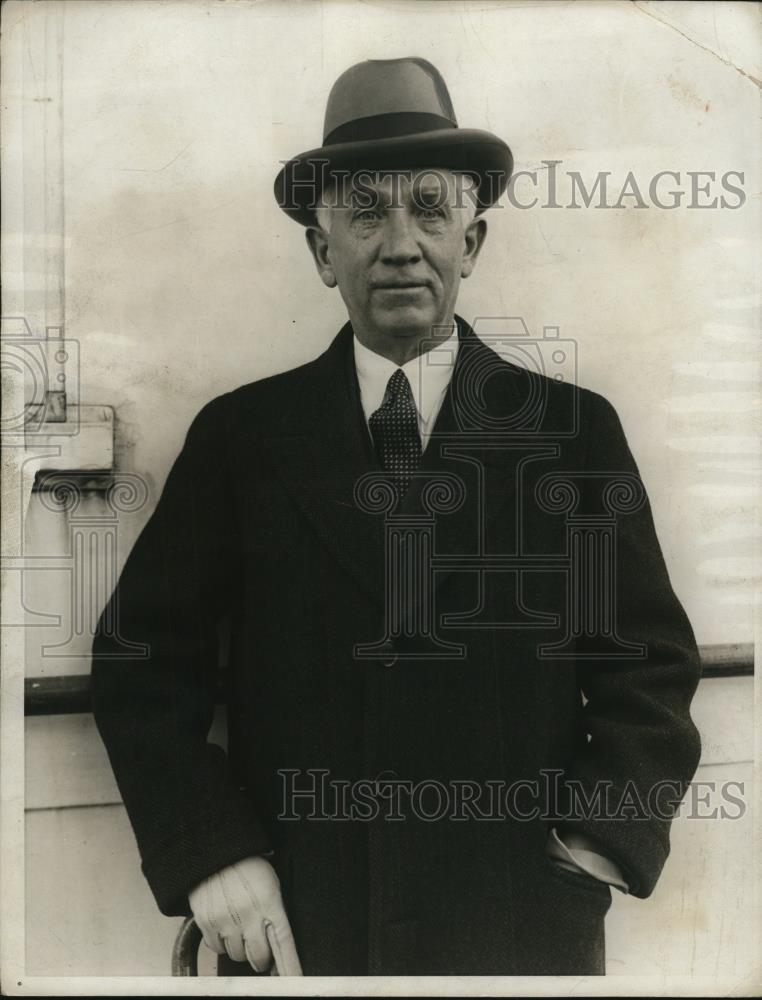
{"x": 390, "y": 655}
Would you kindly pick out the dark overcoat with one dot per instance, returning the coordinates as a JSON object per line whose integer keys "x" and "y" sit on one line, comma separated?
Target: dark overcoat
{"x": 548, "y": 648}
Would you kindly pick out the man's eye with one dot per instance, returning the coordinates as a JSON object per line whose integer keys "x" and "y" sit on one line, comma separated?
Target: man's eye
{"x": 366, "y": 215}
{"x": 432, "y": 212}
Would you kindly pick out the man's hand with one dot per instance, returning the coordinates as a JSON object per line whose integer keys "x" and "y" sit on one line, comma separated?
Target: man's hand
{"x": 239, "y": 910}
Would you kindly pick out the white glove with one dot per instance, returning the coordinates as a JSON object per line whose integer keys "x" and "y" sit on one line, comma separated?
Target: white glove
{"x": 239, "y": 910}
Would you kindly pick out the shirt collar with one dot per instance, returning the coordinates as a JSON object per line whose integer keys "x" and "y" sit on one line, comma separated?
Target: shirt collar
{"x": 429, "y": 375}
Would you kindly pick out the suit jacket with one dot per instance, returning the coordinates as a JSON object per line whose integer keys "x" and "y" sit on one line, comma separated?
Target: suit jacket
{"x": 266, "y": 518}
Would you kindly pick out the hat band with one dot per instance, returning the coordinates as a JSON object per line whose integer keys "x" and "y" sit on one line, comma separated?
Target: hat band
{"x": 388, "y": 126}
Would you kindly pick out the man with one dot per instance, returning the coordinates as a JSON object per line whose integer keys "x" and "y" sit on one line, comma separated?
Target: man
{"x": 442, "y": 579}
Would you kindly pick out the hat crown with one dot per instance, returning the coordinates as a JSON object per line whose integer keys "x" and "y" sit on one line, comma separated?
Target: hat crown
{"x": 391, "y": 114}
{"x": 410, "y": 86}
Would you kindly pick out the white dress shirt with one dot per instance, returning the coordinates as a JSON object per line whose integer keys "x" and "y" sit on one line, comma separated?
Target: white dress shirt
{"x": 429, "y": 375}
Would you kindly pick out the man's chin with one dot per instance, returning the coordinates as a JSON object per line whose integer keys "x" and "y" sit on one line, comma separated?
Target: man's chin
{"x": 408, "y": 323}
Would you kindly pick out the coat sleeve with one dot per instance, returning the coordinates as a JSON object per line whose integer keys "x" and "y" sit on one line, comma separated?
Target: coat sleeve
{"x": 154, "y": 710}
{"x": 642, "y": 748}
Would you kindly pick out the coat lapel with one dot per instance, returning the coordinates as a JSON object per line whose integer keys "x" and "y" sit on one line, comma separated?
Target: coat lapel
{"x": 322, "y": 451}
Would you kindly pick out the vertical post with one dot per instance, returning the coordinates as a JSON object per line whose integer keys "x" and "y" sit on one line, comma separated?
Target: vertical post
{"x": 43, "y": 194}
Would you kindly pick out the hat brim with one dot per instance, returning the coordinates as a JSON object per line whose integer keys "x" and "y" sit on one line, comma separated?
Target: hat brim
{"x": 299, "y": 184}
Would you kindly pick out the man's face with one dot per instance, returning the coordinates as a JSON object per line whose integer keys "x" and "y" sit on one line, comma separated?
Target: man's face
{"x": 397, "y": 248}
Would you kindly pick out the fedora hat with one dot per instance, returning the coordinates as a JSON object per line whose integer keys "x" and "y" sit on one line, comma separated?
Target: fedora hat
{"x": 391, "y": 114}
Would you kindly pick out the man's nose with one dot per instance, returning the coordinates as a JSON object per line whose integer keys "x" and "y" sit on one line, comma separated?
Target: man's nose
{"x": 399, "y": 245}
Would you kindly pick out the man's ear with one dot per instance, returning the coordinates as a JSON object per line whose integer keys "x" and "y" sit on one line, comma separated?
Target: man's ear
{"x": 317, "y": 240}
{"x": 474, "y": 237}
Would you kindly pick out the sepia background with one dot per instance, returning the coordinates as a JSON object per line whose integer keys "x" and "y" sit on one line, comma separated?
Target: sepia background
{"x": 141, "y": 145}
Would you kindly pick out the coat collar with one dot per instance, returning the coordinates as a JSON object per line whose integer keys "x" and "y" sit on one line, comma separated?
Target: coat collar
{"x": 324, "y": 456}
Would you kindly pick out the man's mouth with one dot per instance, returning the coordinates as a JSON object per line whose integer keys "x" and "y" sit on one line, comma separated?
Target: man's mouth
{"x": 398, "y": 285}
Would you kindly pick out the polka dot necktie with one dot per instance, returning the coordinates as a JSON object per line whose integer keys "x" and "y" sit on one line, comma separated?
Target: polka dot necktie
{"x": 394, "y": 429}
